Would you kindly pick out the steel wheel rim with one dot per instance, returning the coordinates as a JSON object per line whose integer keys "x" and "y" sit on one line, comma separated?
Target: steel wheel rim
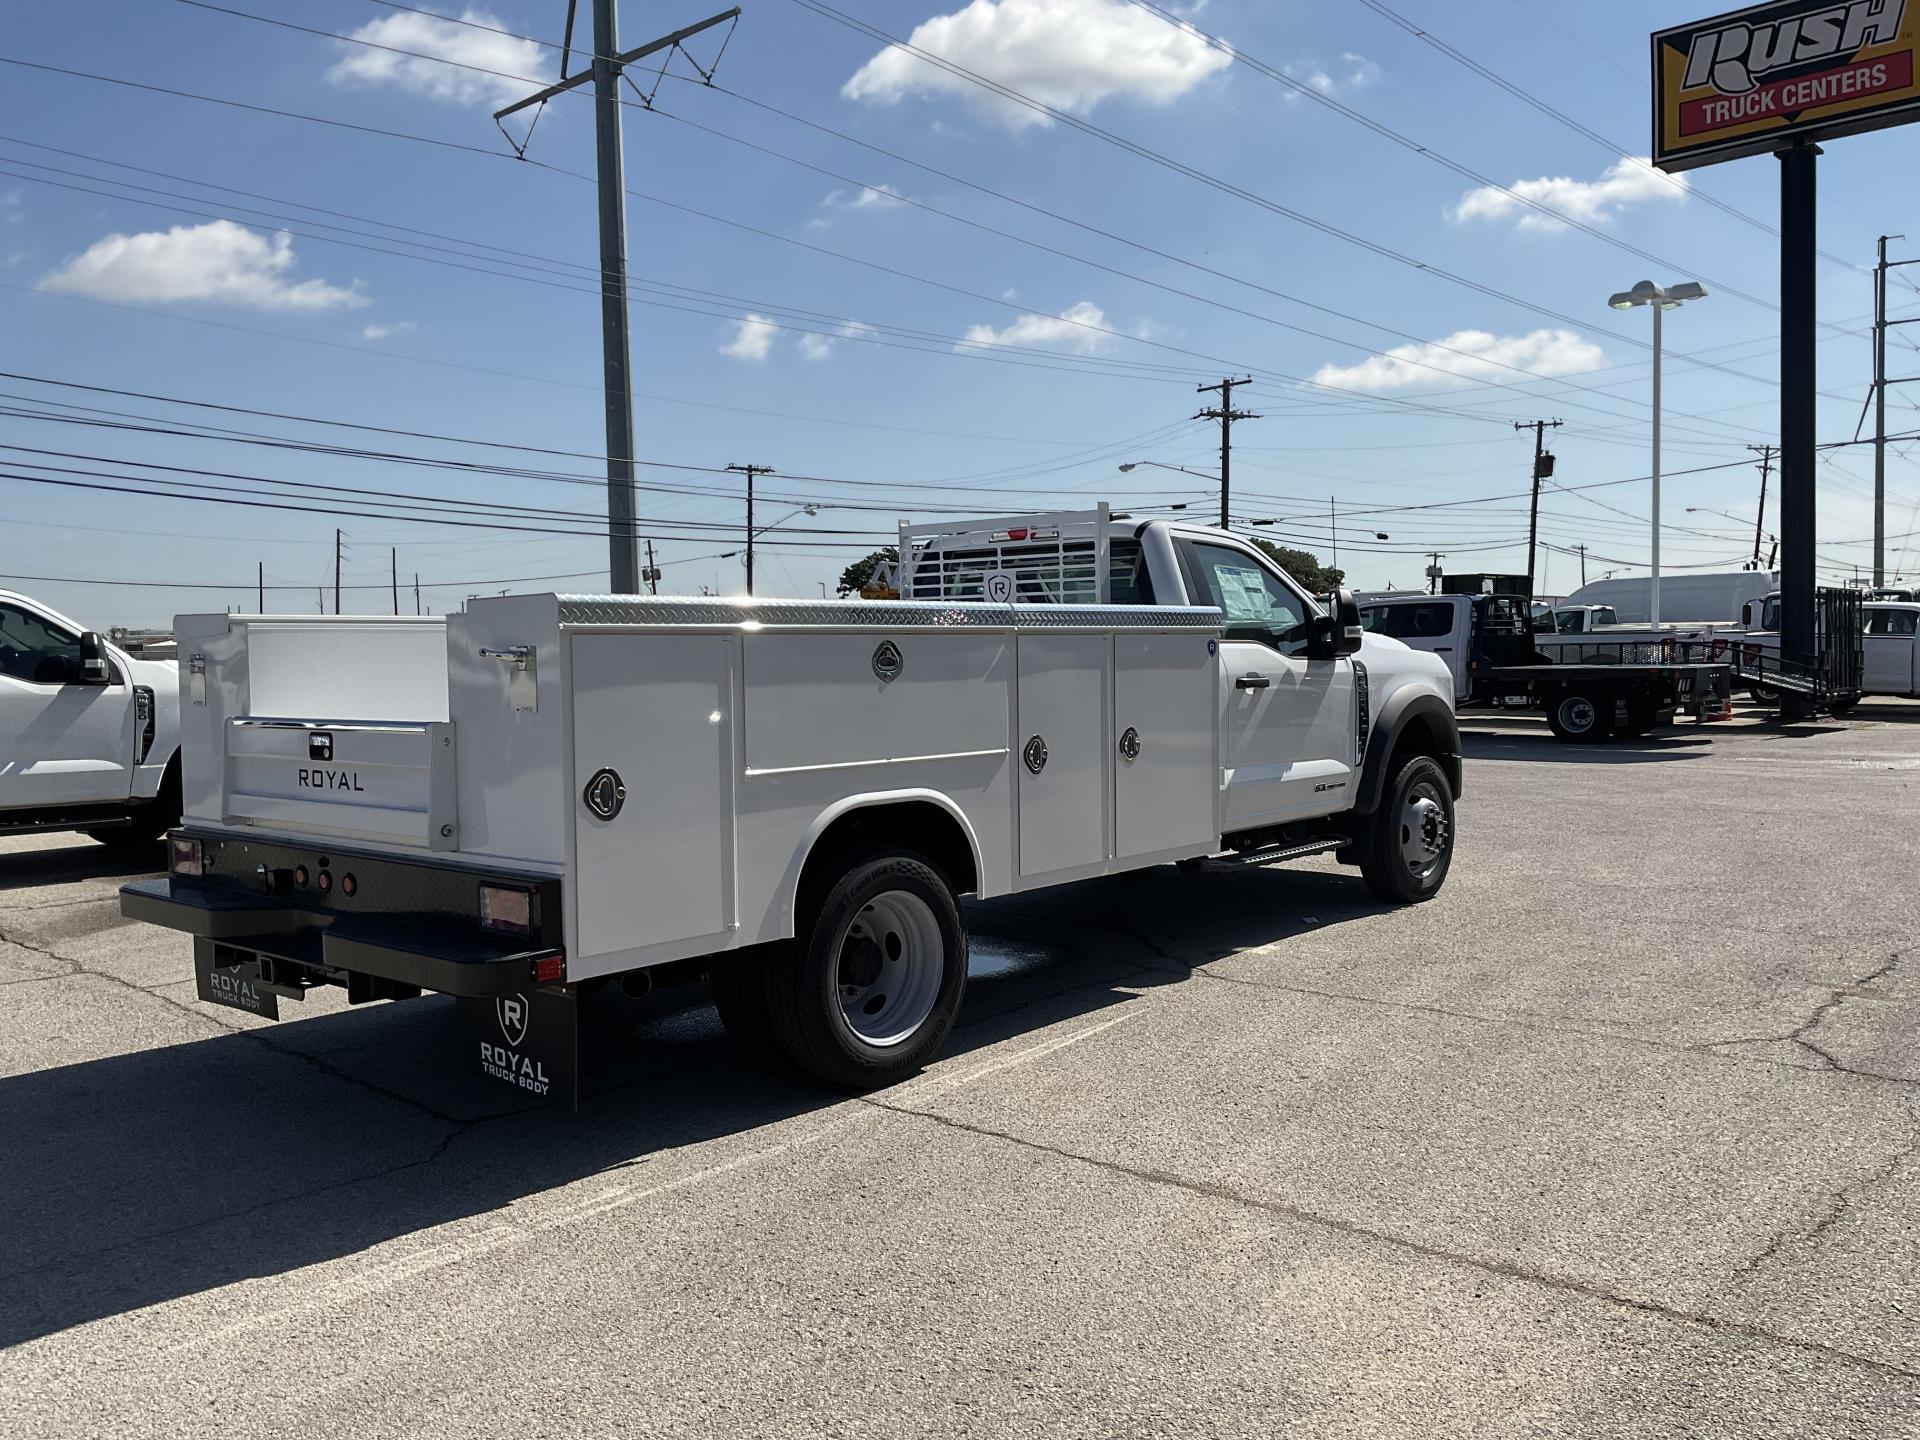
{"x": 1423, "y": 830}
{"x": 1578, "y": 714}
{"x": 890, "y": 962}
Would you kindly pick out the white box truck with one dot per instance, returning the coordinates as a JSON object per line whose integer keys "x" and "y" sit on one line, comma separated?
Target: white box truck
{"x": 547, "y": 793}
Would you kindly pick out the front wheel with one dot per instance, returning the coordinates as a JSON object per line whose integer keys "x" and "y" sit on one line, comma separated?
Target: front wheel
{"x": 872, "y": 987}
{"x": 1412, "y": 845}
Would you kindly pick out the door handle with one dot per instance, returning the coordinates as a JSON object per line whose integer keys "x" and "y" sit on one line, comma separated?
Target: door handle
{"x": 1252, "y": 682}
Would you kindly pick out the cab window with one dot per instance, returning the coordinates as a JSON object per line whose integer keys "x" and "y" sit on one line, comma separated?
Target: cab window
{"x": 35, "y": 650}
{"x": 1891, "y": 622}
{"x": 1255, "y": 603}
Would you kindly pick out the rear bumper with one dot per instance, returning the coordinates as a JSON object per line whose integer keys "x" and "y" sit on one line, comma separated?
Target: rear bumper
{"x": 430, "y": 957}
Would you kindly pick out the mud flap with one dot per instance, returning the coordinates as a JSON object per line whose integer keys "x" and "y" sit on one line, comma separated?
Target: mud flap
{"x": 529, "y": 1040}
{"x": 238, "y": 984}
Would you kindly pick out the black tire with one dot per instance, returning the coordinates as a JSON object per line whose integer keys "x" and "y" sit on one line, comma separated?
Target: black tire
{"x": 738, "y": 982}
{"x": 1577, "y": 717}
{"x": 148, "y": 822}
{"x": 1764, "y": 695}
{"x": 887, "y": 909}
{"x": 1387, "y": 868}
{"x": 1840, "y": 708}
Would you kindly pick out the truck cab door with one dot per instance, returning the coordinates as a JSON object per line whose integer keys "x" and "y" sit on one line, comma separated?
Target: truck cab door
{"x": 1287, "y": 723}
{"x": 63, "y": 740}
{"x": 1887, "y": 650}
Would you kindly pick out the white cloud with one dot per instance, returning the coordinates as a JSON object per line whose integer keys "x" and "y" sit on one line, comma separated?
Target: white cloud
{"x": 10, "y": 211}
{"x": 219, "y": 261}
{"x": 1465, "y": 355}
{"x": 752, "y": 338}
{"x": 867, "y": 197}
{"x": 1352, "y": 72}
{"x": 1626, "y": 182}
{"x": 381, "y": 332}
{"x": 1070, "y": 54}
{"x": 446, "y": 40}
{"x": 820, "y": 347}
{"x": 1069, "y": 328}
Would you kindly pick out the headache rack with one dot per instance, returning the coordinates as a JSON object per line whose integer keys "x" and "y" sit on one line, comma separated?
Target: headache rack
{"x": 1069, "y": 557}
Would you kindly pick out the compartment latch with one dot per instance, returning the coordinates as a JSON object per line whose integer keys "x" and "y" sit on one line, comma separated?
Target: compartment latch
{"x": 522, "y": 683}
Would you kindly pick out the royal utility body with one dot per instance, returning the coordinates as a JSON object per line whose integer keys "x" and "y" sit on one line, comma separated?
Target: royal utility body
{"x": 547, "y": 793}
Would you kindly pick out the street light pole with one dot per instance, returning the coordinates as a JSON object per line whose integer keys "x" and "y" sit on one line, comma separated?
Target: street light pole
{"x": 1649, "y": 294}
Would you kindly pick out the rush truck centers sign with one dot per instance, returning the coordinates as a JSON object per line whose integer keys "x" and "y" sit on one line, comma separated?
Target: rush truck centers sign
{"x": 1772, "y": 75}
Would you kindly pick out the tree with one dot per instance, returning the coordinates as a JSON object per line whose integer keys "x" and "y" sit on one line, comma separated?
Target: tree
{"x": 854, "y": 578}
{"x": 1304, "y": 567}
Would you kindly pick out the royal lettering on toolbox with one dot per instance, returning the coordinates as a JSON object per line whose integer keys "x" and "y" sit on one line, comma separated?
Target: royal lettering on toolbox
{"x": 1789, "y": 72}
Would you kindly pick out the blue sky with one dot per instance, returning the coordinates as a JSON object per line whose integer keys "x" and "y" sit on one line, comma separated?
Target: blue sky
{"x": 846, "y": 325}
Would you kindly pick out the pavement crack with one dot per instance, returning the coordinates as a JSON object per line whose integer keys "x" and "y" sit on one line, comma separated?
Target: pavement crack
{"x": 1837, "y": 996}
{"x": 258, "y": 1037}
{"x": 1505, "y": 1269}
{"x": 1835, "y": 1208}
{"x": 73, "y": 966}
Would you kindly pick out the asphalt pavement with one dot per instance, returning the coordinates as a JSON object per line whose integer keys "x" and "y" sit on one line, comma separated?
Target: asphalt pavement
{"x": 1618, "y": 1136}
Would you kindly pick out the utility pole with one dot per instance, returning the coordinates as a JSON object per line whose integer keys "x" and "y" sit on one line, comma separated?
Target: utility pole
{"x": 416, "y": 592}
{"x": 1765, "y": 452}
{"x": 750, "y": 471}
{"x": 623, "y": 561}
{"x": 1542, "y": 468}
{"x": 1333, "y": 521}
{"x": 652, "y": 573}
{"x": 1879, "y": 418}
{"x": 261, "y": 582}
{"x": 1583, "y": 564}
{"x": 1226, "y": 415}
{"x": 393, "y": 560}
{"x": 1433, "y": 572}
{"x": 336, "y": 572}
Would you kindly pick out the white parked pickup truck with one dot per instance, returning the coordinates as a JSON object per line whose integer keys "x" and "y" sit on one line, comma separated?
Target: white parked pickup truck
{"x": 550, "y": 792}
{"x": 89, "y": 735}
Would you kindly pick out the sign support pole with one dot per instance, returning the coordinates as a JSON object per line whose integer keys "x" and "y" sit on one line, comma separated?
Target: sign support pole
{"x": 1797, "y": 384}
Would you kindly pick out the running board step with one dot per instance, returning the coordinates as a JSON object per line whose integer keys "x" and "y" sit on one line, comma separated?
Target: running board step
{"x": 1276, "y": 854}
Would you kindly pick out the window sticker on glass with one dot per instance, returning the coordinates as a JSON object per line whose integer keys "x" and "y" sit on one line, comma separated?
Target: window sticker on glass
{"x": 1243, "y": 594}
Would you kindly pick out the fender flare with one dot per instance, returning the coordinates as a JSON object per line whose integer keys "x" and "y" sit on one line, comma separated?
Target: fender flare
{"x": 1399, "y": 710}
{"x": 869, "y": 800}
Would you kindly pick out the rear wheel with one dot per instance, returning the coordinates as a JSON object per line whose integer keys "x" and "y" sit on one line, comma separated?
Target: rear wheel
{"x": 1412, "y": 842}
{"x": 1577, "y": 715}
{"x": 874, "y": 983}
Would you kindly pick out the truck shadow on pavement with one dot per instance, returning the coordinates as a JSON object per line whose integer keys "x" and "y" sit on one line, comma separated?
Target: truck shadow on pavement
{"x": 1542, "y": 748}
{"x": 173, "y": 1170}
{"x": 65, "y": 864}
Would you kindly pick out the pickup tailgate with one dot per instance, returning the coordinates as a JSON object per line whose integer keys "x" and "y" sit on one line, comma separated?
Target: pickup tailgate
{"x": 369, "y": 780}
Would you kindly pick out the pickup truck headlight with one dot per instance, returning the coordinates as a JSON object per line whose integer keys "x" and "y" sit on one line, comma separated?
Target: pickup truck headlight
{"x": 186, "y": 856}
{"x": 506, "y": 907}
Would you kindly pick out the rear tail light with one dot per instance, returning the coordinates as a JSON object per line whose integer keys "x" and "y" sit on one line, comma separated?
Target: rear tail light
{"x": 503, "y": 907}
{"x": 549, "y": 968}
{"x": 186, "y": 857}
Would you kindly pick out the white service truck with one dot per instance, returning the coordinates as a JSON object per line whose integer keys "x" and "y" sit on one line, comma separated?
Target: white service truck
{"x": 547, "y": 793}
{"x": 89, "y": 735}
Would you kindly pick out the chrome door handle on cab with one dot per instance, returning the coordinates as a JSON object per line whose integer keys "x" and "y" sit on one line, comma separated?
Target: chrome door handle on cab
{"x": 1252, "y": 682}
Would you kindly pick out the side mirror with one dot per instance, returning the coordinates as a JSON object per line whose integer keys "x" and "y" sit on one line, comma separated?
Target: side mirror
{"x": 1746, "y": 615}
{"x": 94, "y": 669}
{"x": 1348, "y": 633}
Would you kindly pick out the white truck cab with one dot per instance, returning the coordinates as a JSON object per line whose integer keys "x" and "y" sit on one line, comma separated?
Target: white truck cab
{"x": 548, "y": 792}
{"x": 89, "y": 735}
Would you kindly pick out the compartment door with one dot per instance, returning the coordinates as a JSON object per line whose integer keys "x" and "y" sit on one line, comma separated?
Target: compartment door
{"x": 1165, "y": 689}
{"x": 657, "y": 710}
{"x": 1063, "y": 729}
